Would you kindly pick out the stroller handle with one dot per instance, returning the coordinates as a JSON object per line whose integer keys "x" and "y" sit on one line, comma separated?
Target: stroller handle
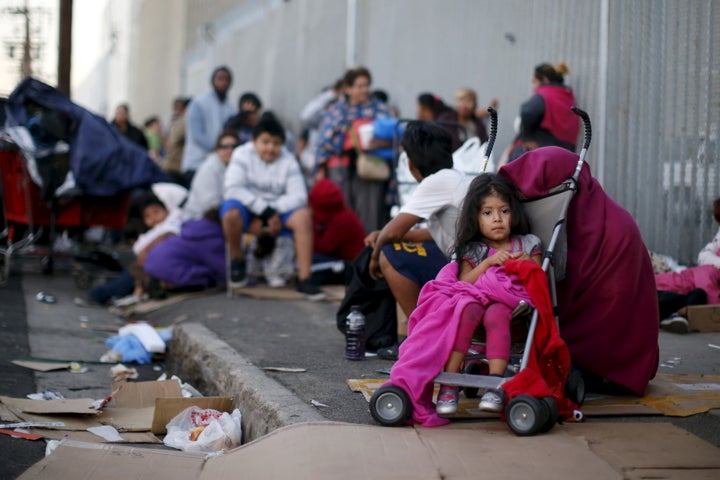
{"x": 491, "y": 137}
{"x": 586, "y": 123}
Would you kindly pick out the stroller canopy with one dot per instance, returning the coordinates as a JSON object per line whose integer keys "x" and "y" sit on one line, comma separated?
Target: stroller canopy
{"x": 102, "y": 160}
{"x": 607, "y": 303}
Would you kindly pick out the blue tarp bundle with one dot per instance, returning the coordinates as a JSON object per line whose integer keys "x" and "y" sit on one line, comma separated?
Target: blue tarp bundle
{"x": 102, "y": 160}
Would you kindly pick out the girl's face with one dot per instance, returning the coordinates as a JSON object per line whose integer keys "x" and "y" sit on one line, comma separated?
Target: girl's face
{"x": 154, "y": 215}
{"x": 268, "y": 146}
{"x": 495, "y": 218}
{"x": 225, "y": 148}
{"x": 359, "y": 92}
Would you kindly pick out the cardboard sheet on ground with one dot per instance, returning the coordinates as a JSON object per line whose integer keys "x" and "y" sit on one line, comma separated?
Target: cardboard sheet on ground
{"x": 328, "y": 450}
{"x": 149, "y": 306}
{"x": 42, "y": 366}
{"x": 671, "y": 395}
{"x": 334, "y": 293}
{"x": 85, "y": 436}
{"x": 76, "y": 406}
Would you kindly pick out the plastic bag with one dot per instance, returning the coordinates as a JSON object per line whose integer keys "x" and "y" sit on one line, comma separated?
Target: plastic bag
{"x": 204, "y": 430}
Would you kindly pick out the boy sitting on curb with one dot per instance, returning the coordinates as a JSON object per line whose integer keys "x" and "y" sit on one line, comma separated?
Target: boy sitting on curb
{"x": 264, "y": 187}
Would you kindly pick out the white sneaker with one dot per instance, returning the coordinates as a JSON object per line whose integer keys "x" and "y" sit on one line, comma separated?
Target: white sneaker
{"x": 675, "y": 323}
{"x": 129, "y": 300}
{"x": 276, "y": 282}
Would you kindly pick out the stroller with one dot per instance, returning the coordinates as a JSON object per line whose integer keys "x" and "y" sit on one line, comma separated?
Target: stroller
{"x": 526, "y": 415}
{"x": 62, "y": 166}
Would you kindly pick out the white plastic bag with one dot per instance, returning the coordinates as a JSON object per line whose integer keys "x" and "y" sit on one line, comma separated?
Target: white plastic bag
{"x": 212, "y": 430}
{"x": 470, "y": 157}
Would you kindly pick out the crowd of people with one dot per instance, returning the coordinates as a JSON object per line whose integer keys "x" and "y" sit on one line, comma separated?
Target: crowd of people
{"x": 275, "y": 203}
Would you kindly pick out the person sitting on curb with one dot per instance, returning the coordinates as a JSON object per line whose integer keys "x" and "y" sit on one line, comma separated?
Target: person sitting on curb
{"x": 264, "y": 187}
{"x": 698, "y": 285}
{"x": 408, "y": 258}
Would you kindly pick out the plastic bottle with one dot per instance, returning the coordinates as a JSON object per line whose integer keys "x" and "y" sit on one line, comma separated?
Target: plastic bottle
{"x": 355, "y": 335}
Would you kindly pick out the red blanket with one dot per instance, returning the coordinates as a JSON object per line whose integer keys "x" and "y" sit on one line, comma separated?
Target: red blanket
{"x": 607, "y": 302}
{"x": 549, "y": 361}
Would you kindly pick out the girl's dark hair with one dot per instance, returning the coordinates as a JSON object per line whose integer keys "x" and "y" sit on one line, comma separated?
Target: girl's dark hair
{"x": 269, "y": 123}
{"x": 354, "y": 73}
{"x": 716, "y": 209}
{"x": 553, "y": 74}
{"x": 433, "y": 103}
{"x": 428, "y": 145}
{"x": 481, "y": 187}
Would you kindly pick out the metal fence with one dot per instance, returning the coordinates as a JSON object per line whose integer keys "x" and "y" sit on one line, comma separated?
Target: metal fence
{"x": 645, "y": 70}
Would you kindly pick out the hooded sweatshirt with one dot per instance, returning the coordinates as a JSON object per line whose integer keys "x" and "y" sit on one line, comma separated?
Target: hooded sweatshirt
{"x": 338, "y": 232}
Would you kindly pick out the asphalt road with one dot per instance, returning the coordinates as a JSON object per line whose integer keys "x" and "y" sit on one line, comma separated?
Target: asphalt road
{"x": 269, "y": 333}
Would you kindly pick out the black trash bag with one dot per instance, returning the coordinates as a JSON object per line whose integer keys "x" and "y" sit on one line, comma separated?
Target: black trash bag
{"x": 375, "y": 300}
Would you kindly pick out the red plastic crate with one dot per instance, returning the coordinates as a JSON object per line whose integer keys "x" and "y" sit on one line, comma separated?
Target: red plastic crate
{"x": 24, "y": 205}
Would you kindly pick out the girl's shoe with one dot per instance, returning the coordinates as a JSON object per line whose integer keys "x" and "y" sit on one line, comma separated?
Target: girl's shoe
{"x": 492, "y": 401}
{"x": 447, "y": 400}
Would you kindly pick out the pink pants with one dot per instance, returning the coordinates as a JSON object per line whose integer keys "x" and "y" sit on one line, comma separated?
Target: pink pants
{"x": 496, "y": 319}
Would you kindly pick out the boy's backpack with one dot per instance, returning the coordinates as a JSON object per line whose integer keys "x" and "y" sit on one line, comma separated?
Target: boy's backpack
{"x": 375, "y": 300}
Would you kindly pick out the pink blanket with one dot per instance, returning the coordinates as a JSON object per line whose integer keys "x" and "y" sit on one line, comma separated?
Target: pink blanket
{"x": 607, "y": 303}
{"x": 706, "y": 277}
{"x": 432, "y": 328}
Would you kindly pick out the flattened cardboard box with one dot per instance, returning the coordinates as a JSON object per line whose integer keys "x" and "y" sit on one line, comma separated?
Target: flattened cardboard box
{"x": 329, "y": 450}
{"x": 704, "y": 318}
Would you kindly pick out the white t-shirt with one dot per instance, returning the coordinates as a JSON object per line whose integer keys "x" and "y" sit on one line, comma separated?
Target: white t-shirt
{"x": 437, "y": 199}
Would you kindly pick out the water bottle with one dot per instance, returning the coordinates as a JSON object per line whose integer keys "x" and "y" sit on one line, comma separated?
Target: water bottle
{"x": 355, "y": 335}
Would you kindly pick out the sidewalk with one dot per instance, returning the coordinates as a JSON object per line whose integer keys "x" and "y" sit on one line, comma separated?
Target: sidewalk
{"x": 224, "y": 346}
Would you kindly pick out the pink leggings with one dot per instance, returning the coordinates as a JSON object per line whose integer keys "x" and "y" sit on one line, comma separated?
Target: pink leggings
{"x": 496, "y": 319}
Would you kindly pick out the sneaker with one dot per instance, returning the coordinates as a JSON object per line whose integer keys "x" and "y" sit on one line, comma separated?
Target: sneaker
{"x": 492, "y": 401}
{"x": 310, "y": 290}
{"x": 238, "y": 273}
{"x": 129, "y": 300}
{"x": 276, "y": 282}
{"x": 675, "y": 323}
{"x": 447, "y": 400}
{"x": 389, "y": 353}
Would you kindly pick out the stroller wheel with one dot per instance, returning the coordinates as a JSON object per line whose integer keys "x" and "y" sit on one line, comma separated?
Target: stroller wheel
{"x": 526, "y": 415}
{"x": 575, "y": 387}
{"x": 390, "y": 406}
{"x": 473, "y": 368}
{"x": 553, "y": 414}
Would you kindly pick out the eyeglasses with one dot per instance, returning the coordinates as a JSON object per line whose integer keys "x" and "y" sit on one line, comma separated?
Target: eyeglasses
{"x": 225, "y": 146}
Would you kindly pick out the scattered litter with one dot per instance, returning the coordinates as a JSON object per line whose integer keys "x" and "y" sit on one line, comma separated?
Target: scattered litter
{"x": 666, "y": 365}
{"x": 204, "y": 430}
{"x": 121, "y": 373}
{"x": 188, "y": 390}
{"x": 285, "y": 369}
{"x": 111, "y": 356}
{"x": 384, "y": 371}
{"x": 150, "y": 339}
{"x": 672, "y": 362}
{"x": 370, "y": 354}
{"x": 156, "y": 368}
{"x": 76, "y": 367}
{"x": 213, "y": 315}
{"x": 84, "y": 318}
{"x": 51, "y": 446}
{"x": 100, "y": 403}
{"x": 21, "y": 433}
{"x": 45, "y": 297}
{"x": 46, "y": 395}
{"x": 713, "y": 346}
{"x": 699, "y": 386}
{"x": 32, "y": 424}
{"x": 107, "y": 432}
{"x": 315, "y": 403}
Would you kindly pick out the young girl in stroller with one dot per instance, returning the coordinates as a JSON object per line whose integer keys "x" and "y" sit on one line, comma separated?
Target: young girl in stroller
{"x": 475, "y": 288}
{"x": 492, "y": 229}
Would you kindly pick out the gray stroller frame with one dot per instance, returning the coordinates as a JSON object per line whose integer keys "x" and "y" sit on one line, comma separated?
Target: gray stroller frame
{"x": 526, "y": 415}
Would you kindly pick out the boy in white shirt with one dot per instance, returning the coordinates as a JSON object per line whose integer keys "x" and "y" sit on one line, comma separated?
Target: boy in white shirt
{"x": 408, "y": 258}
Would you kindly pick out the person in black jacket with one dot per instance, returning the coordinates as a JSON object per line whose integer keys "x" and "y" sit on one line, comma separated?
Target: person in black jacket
{"x": 121, "y": 121}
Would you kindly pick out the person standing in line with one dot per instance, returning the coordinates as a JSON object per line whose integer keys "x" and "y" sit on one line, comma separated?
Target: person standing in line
{"x": 175, "y": 141}
{"x": 206, "y": 116}
{"x": 122, "y": 122}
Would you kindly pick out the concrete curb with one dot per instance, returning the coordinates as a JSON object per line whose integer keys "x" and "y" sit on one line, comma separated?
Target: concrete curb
{"x": 211, "y": 365}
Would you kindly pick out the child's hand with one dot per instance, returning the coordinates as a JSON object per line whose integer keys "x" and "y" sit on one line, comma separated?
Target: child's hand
{"x": 501, "y": 256}
{"x": 371, "y": 238}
